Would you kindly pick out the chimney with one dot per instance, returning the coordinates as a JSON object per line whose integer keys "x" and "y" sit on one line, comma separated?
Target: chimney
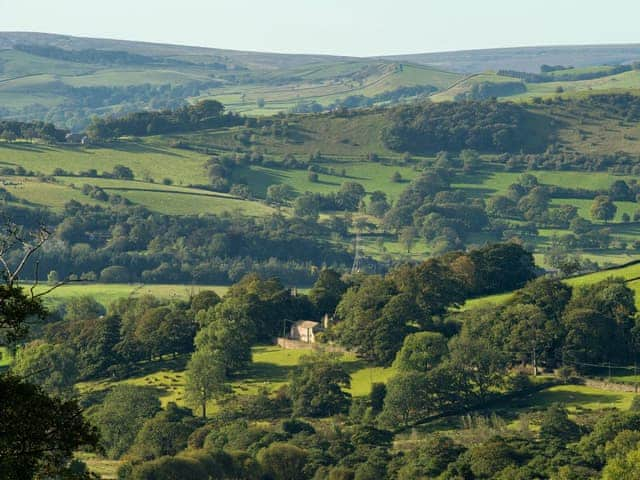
{"x": 325, "y": 321}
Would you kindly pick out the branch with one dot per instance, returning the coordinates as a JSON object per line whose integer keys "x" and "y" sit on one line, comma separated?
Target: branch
{"x": 57, "y": 285}
{"x": 43, "y": 236}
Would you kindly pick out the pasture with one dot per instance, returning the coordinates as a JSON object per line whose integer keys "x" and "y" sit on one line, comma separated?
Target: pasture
{"x": 270, "y": 369}
{"x": 107, "y": 293}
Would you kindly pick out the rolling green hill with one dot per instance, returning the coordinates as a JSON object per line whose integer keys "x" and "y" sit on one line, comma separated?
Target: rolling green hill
{"x": 67, "y": 80}
{"x": 170, "y": 172}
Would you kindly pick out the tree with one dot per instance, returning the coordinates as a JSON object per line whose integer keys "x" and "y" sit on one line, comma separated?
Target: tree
{"x": 431, "y": 286}
{"x": 283, "y": 461}
{"x": 396, "y": 177}
{"x": 421, "y": 351}
{"x": 164, "y": 434}
{"x": 620, "y": 191}
{"x": 406, "y": 398}
{"x": 122, "y": 414}
{"x": 122, "y": 172}
{"x": 529, "y": 331}
{"x": 307, "y": 207}
{"x": 279, "y": 193}
{"x": 349, "y": 196}
{"x": 407, "y": 237}
{"x": 40, "y": 434}
{"x": 260, "y": 102}
{"x": 603, "y": 208}
{"x": 374, "y": 319}
{"x": 53, "y": 278}
{"x": 556, "y": 426}
{"x": 8, "y": 136}
{"x": 480, "y": 362}
{"x": 316, "y": 387}
{"x": 82, "y": 308}
{"x": 470, "y": 160}
{"x": 327, "y": 291}
{"x": 431, "y": 458}
{"x": 53, "y": 367}
{"x": 228, "y": 333}
{"x": 489, "y": 458}
{"x": 623, "y": 467}
{"x": 114, "y": 274}
{"x": 204, "y": 300}
{"x": 205, "y": 378}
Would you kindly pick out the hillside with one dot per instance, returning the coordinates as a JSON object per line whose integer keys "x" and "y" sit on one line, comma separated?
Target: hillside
{"x": 67, "y": 80}
{"x": 334, "y": 178}
{"x": 528, "y": 59}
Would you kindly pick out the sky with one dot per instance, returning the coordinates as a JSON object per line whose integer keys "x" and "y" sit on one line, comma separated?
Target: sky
{"x": 340, "y": 27}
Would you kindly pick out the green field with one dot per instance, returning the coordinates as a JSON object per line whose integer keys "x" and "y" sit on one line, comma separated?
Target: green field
{"x": 107, "y": 293}
{"x": 269, "y": 369}
{"x": 631, "y": 273}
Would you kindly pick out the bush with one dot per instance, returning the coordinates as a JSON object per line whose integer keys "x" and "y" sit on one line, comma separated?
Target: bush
{"x": 114, "y": 274}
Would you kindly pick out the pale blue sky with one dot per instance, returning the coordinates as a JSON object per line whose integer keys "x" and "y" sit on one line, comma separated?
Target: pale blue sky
{"x": 348, "y": 27}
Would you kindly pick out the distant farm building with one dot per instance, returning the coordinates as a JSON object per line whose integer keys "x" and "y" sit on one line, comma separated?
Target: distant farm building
{"x": 306, "y": 330}
{"x": 78, "y": 138}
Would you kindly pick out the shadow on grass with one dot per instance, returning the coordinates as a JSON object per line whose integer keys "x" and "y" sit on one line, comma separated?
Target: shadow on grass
{"x": 548, "y": 397}
{"x": 28, "y": 147}
{"x": 264, "y": 372}
{"x": 141, "y": 148}
{"x": 261, "y": 179}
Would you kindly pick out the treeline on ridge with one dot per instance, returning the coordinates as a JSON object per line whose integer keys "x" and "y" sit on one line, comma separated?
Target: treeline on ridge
{"x": 491, "y": 127}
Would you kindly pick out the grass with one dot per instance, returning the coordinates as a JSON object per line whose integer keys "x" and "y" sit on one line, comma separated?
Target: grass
{"x": 627, "y": 273}
{"x": 105, "y": 469}
{"x": 270, "y": 368}
{"x": 6, "y": 358}
{"x": 107, "y": 293}
{"x": 579, "y": 397}
{"x": 145, "y": 158}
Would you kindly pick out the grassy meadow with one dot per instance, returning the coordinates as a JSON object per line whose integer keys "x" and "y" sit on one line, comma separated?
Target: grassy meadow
{"x": 107, "y": 293}
{"x": 270, "y": 368}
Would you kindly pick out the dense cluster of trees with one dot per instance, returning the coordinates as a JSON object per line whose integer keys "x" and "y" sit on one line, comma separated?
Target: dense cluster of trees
{"x": 93, "y": 56}
{"x": 376, "y": 313}
{"x": 119, "y": 243}
{"x": 204, "y": 114}
{"x": 487, "y": 90}
{"x": 11, "y": 130}
{"x": 445, "y": 362}
{"x": 485, "y": 126}
{"x": 559, "y": 73}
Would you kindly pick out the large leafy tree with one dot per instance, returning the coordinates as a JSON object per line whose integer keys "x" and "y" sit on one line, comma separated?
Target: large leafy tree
{"x": 205, "y": 379}
{"x": 38, "y": 433}
{"x": 603, "y": 208}
{"x": 53, "y": 367}
{"x": 433, "y": 288}
{"x": 316, "y": 387}
{"x": 122, "y": 414}
{"x": 374, "y": 319}
{"x": 327, "y": 291}
{"x": 421, "y": 351}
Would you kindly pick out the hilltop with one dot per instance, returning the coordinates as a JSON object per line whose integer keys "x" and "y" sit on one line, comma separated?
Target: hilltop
{"x": 67, "y": 80}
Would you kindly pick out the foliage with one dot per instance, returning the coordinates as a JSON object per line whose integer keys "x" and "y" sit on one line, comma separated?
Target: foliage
{"x": 121, "y": 415}
{"x": 52, "y": 367}
{"x": 483, "y": 126}
{"x": 205, "y": 379}
{"x": 39, "y": 433}
{"x": 316, "y": 387}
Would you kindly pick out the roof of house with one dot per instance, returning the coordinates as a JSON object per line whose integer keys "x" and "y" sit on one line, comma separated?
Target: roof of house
{"x": 306, "y": 324}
